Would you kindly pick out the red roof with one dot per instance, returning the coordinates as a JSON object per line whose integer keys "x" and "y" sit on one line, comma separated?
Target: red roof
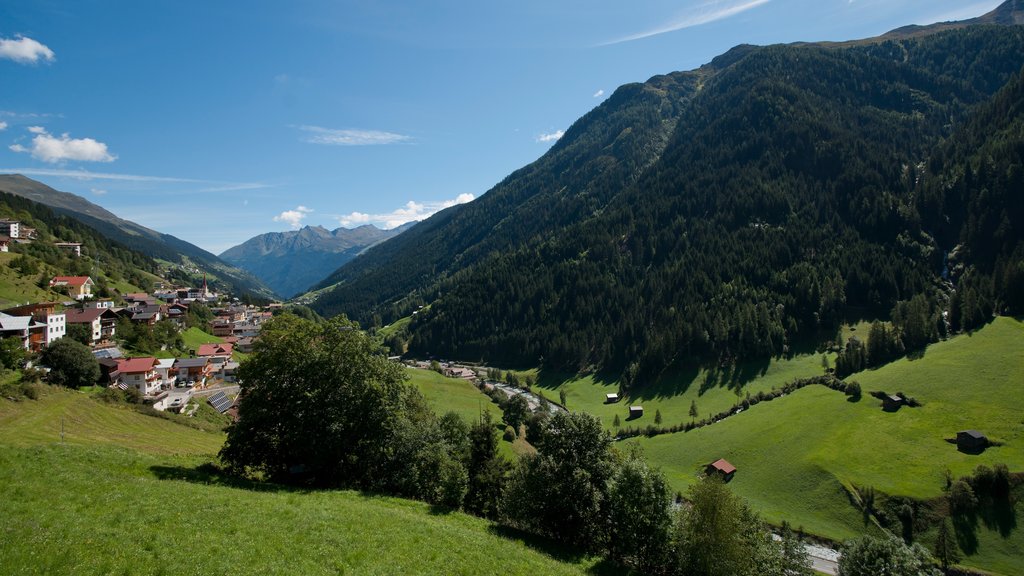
{"x": 214, "y": 350}
{"x": 723, "y": 466}
{"x": 136, "y": 365}
{"x": 71, "y": 280}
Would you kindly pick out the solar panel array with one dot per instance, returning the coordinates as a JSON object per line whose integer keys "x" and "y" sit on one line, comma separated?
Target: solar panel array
{"x": 220, "y": 402}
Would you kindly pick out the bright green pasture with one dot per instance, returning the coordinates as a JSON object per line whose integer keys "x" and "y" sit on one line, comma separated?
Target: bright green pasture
{"x": 452, "y": 395}
{"x": 712, "y": 390}
{"x": 87, "y": 421}
{"x": 71, "y": 509}
{"x": 794, "y": 454}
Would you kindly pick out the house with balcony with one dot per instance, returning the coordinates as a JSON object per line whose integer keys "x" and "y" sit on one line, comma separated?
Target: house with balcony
{"x": 102, "y": 322}
{"x": 48, "y": 323}
{"x": 140, "y": 373}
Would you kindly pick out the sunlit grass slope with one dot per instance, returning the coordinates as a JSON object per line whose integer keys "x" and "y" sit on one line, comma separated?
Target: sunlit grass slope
{"x": 796, "y": 453}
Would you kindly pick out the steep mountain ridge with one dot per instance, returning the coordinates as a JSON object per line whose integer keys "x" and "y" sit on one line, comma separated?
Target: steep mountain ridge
{"x": 752, "y": 204}
{"x": 291, "y": 262}
{"x": 150, "y": 242}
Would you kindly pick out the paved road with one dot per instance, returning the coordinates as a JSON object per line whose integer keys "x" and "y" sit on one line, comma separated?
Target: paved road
{"x": 823, "y": 560}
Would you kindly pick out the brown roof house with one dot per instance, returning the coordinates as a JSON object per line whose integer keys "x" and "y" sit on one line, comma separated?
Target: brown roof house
{"x": 102, "y": 322}
{"x": 721, "y": 467}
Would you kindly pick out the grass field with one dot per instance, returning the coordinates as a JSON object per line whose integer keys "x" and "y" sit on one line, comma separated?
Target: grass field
{"x": 795, "y": 454}
{"x": 672, "y": 395}
{"x": 128, "y": 494}
{"x": 195, "y": 337}
{"x": 445, "y": 394}
{"x": 90, "y": 422}
{"x": 452, "y": 395}
{"x": 16, "y": 289}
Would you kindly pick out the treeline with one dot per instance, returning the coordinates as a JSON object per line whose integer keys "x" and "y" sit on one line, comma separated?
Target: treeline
{"x": 799, "y": 183}
{"x": 117, "y": 261}
{"x": 320, "y": 406}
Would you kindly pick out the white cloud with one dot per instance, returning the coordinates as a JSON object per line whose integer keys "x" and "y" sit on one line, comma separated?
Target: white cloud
{"x": 25, "y": 50}
{"x": 699, "y": 15}
{"x": 98, "y": 191}
{"x": 334, "y": 137}
{"x": 551, "y": 137}
{"x": 293, "y": 217}
{"x": 412, "y": 211}
{"x": 599, "y": 93}
{"x": 56, "y": 149}
{"x": 3, "y": 126}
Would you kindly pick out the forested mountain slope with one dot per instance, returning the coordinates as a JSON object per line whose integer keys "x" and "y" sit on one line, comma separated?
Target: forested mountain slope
{"x": 293, "y": 261}
{"x": 724, "y": 213}
{"x": 150, "y": 242}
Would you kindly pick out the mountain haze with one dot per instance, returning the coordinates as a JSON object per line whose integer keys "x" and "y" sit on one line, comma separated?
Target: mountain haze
{"x": 293, "y": 261}
{"x": 729, "y": 212}
{"x": 150, "y": 242}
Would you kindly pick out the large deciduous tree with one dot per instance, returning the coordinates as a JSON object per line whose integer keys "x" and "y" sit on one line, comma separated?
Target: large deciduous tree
{"x": 888, "y": 556}
{"x": 321, "y": 404}
{"x": 71, "y": 364}
{"x": 562, "y": 491}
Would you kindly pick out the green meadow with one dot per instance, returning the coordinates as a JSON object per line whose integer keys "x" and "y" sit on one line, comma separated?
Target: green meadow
{"x": 673, "y": 394}
{"x": 126, "y": 493}
{"x": 796, "y": 455}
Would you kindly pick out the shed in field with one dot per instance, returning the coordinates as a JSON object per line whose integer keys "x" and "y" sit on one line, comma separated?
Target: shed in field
{"x": 891, "y": 402}
{"x": 635, "y": 412}
{"x": 721, "y": 467}
{"x": 611, "y": 398}
{"x": 971, "y": 441}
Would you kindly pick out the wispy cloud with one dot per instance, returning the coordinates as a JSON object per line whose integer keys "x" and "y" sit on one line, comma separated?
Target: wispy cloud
{"x": 293, "y": 217}
{"x": 411, "y": 212}
{"x": 98, "y": 191}
{"x": 228, "y": 187}
{"x": 599, "y": 93}
{"x": 697, "y": 16}
{"x": 551, "y": 137}
{"x": 24, "y": 50}
{"x": 3, "y": 126}
{"x": 86, "y": 175}
{"x": 348, "y": 137}
{"x": 54, "y": 149}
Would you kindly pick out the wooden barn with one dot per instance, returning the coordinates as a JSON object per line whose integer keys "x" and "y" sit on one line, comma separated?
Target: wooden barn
{"x": 722, "y": 467}
{"x": 611, "y": 398}
{"x": 636, "y": 412}
{"x": 891, "y": 402}
{"x": 971, "y": 441}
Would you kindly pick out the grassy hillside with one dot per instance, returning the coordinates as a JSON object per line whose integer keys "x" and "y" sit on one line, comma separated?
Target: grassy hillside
{"x": 127, "y": 494}
{"x": 795, "y": 454}
{"x": 712, "y": 390}
{"x": 91, "y": 510}
{"x": 89, "y": 422}
{"x": 452, "y": 395}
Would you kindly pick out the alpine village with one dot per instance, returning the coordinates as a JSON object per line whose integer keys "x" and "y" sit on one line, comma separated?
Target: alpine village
{"x": 762, "y": 317}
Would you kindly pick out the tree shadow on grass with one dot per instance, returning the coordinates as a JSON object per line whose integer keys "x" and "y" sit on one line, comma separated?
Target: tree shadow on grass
{"x": 555, "y": 550}
{"x": 1001, "y": 515}
{"x": 966, "y": 526}
{"x": 211, "y": 474}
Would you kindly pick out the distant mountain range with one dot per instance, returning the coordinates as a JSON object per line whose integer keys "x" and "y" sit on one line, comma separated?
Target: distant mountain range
{"x": 733, "y": 212}
{"x": 292, "y": 262}
{"x": 149, "y": 242}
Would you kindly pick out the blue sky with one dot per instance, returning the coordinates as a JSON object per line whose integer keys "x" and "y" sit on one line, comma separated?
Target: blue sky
{"x": 217, "y": 121}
